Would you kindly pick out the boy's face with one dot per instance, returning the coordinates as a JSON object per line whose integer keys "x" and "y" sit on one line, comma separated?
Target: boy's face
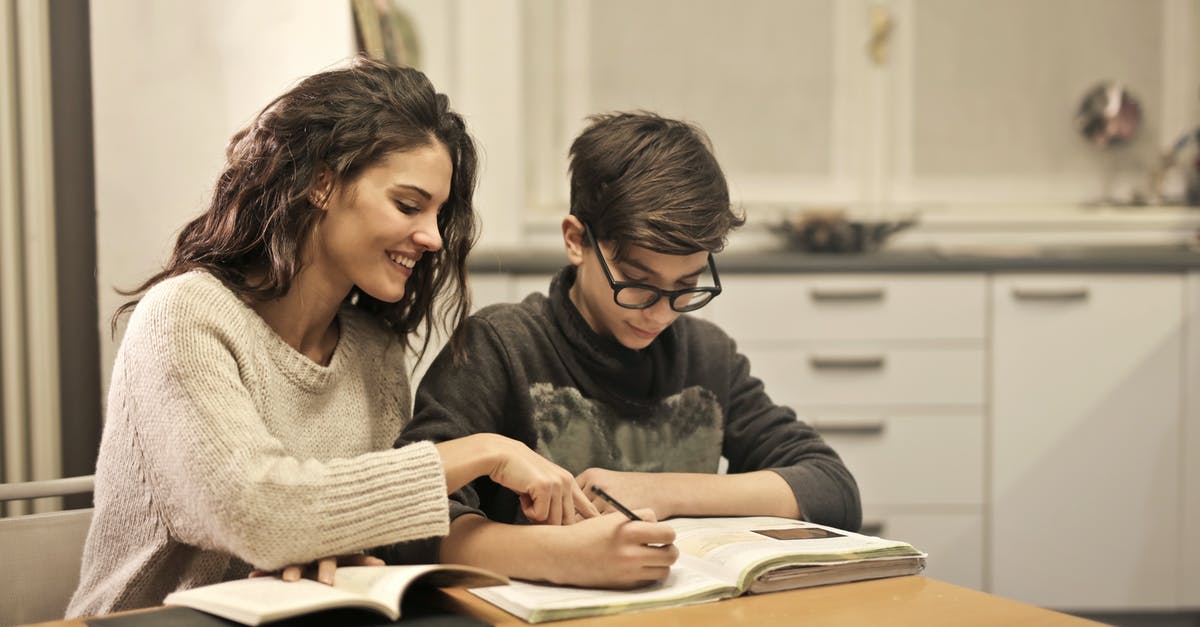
{"x": 593, "y": 294}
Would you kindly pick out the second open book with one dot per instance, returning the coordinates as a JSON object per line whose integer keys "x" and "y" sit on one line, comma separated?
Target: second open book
{"x": 722, "y": 558}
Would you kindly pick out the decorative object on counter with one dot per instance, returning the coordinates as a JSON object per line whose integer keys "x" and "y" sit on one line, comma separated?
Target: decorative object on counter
{"x": 1183, "y": 158}
{"x": 1109, "y": 118}
{"x": 832, "y": 231}
{"x": 1109, "y": 115}
{"x": 384, "y": 31}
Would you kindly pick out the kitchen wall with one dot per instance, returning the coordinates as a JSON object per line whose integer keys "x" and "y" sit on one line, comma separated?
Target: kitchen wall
{"x": 172, "y": 81}
{"x": 799, "y": 110}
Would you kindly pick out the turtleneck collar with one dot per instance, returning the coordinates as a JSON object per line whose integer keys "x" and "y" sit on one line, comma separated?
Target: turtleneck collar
{"x": 634, "y": 376}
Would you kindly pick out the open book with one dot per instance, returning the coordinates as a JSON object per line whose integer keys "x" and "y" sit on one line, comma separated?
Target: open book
{"x": 720, "y": 558}
{"x": 378, "y": 588}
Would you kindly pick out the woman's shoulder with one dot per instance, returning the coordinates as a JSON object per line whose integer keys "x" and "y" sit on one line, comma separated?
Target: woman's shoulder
{"x": 190, "y": 297}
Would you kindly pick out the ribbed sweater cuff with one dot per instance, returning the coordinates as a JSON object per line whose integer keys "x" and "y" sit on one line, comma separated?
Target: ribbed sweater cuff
{"x": 390, "y": 496}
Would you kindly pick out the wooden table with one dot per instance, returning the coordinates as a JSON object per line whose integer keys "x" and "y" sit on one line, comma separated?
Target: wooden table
{"x": 910, "y": 600}
{"x": 913, "y": 600}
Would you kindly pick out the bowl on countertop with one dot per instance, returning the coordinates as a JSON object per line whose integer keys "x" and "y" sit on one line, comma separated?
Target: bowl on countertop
{"x": 833, "y": 231}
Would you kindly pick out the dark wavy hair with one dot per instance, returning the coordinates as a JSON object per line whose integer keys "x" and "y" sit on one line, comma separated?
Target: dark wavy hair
{"x": 638, "y": 178}
{"x": 341, "y": 122}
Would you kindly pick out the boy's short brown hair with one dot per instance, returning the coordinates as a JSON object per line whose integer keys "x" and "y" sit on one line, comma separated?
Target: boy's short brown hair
{"x": 642, "y": 179}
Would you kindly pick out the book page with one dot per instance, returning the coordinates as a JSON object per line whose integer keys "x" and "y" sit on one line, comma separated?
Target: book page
{"x": 262, "y": 599}
{"x": 741, "y": 548}
{"x": 386, "y": 584}
{"x": 786, "y": 578}
{"x": 688, "y": 583}
{"x": 378, "y": 588}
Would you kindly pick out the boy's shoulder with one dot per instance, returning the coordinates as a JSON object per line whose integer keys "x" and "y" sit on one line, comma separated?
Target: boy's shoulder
{"x": 533, "y": 310}
{"x": 696, "y": 329}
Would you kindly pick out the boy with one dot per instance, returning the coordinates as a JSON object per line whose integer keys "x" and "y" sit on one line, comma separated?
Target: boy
{"x": 608, "y": 380}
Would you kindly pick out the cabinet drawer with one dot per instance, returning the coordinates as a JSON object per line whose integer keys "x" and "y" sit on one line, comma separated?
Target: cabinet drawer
{"x": 852, "y": 307}
{"x": 954, "y": 541}
{"x": 909, "y": 458}
{"x": 869, "y": 375}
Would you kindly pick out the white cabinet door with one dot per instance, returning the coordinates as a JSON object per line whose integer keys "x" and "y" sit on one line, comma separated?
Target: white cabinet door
{"x": 953, "y": 540}
{"x": 1086, "y": 427}
{"x": 1189, "y": 583}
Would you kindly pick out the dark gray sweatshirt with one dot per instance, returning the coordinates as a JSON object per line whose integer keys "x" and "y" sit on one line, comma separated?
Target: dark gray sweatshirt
{"x": 536, "y": 372}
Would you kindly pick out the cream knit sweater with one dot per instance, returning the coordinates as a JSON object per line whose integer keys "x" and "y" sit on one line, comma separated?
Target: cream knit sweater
{"x": 224, "y": 447}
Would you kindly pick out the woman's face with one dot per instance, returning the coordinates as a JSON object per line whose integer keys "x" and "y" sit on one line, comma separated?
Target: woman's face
{"x": 376, "y": 228}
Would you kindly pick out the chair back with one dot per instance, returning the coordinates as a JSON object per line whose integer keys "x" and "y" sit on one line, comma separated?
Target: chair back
{"x": 40, "y": 554}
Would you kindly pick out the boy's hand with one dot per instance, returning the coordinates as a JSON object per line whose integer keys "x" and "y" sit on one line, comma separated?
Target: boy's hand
{"x": 611, "y": 551}
{"x": 633, "y": 489}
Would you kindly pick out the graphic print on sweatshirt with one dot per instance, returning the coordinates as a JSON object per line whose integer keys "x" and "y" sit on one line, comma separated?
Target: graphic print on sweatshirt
{"x": 681, "y": 434}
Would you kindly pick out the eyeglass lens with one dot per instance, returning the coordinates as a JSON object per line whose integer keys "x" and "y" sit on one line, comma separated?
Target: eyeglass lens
{"x": 641, "y": 297}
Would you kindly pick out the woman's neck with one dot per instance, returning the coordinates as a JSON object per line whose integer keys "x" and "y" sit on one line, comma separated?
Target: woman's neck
{"x": 305, "y": 318}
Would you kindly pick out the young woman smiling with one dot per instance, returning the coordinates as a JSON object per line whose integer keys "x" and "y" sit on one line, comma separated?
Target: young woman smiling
{"x": 262, "y": 379}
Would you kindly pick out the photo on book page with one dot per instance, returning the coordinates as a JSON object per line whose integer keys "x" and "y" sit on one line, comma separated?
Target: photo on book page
{"x": 799, "y": 533}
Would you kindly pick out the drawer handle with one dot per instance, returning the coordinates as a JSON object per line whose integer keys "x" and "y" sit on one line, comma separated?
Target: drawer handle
{"x": 871, "y": 528}
{"x": 841, "y": 294}
{"x": 849, "y": 427}
{"x": 847, "y": 362}
{"x": 1078, "y": 292}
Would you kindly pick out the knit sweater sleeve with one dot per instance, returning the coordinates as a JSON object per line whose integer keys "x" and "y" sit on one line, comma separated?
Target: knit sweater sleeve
{"x": 220, "y": 480}
{"x": 760, "y": 435}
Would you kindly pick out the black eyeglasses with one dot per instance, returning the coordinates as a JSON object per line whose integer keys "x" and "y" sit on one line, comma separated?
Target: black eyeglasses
{"x": 641, "y": 296}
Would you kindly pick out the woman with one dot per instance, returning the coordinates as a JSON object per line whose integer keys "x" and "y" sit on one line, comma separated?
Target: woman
{"x": 261, "y": 381}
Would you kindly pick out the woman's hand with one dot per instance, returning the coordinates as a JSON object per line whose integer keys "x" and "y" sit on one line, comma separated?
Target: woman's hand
{"x": 548, "y": 493}
{"x": 611, "y": 551}
{"x": 322, "y": 570}
{"x": 632, "y": 489}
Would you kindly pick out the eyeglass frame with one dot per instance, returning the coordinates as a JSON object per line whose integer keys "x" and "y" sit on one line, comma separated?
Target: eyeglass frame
{"x": 671, "y": 295}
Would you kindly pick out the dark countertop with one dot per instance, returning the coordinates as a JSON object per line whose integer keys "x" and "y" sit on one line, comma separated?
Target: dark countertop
{"x": 982, "y": 259}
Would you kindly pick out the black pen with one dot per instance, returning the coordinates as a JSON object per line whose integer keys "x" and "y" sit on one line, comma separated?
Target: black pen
{"x": 611, "y": 501}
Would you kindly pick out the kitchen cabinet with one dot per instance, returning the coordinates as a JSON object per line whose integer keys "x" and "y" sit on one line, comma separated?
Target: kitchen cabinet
{"x": 891, "y": 369}
{"x": 1037, "y": 433}
{"x": 981, "y": 96}
{"x": 867, "y": 103}
{"x": 1085, "y": 437}
{"x": 1189, "y": 582}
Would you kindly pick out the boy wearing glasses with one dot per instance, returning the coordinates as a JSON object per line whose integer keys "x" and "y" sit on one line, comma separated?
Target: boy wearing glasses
{"x": 607, "y": 378}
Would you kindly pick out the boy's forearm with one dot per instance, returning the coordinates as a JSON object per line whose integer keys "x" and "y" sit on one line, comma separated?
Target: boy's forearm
{"x": 521, "y": 551}
{"x": 759, "y": 493}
